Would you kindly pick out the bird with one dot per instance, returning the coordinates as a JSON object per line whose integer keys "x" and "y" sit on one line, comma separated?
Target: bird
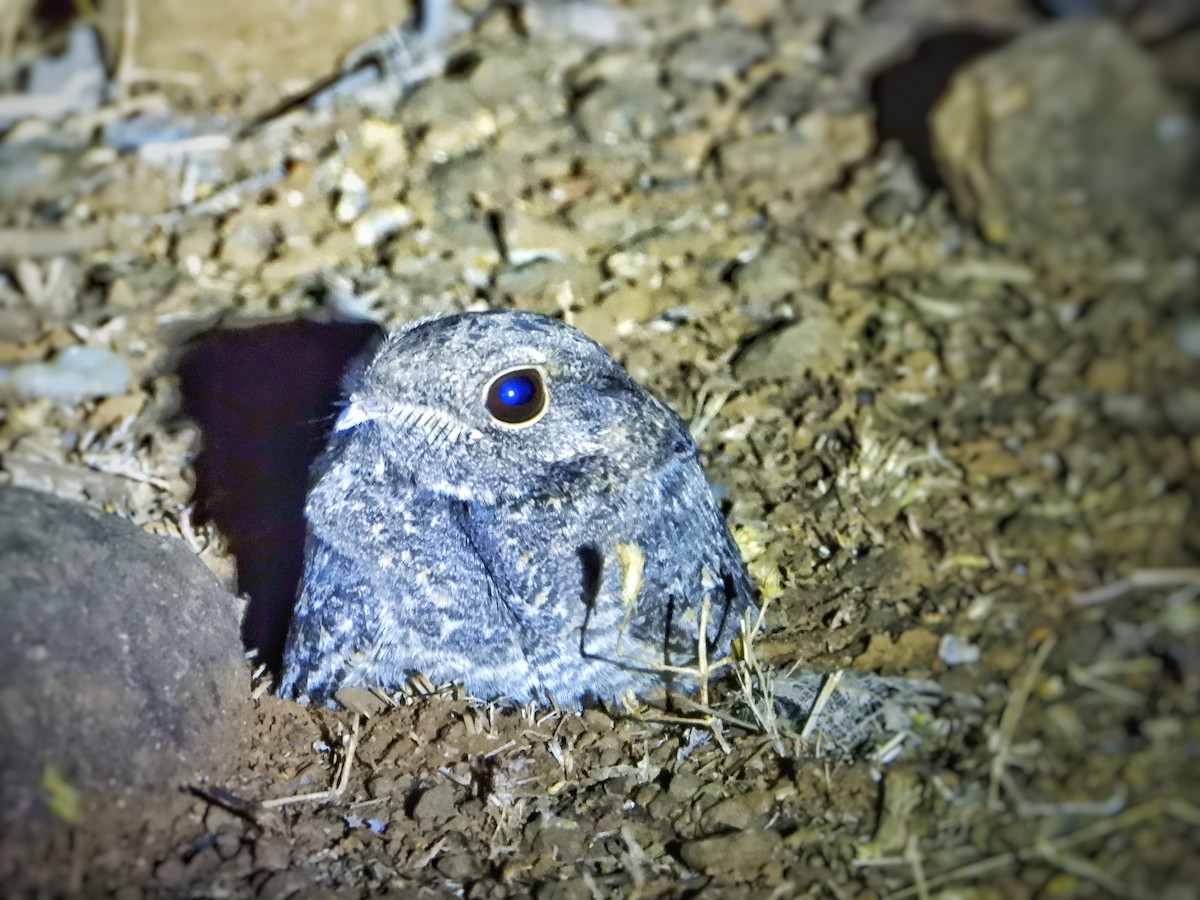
{"x": 501, "y": 505}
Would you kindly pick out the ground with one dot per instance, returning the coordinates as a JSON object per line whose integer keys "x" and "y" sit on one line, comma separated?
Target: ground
{"x": 949, "y": 457}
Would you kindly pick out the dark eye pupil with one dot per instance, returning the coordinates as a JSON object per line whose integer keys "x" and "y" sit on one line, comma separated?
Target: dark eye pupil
{"x": 516, "y": 397}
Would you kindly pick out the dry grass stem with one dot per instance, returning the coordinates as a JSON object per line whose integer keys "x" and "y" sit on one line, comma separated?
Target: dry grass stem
{"x": 1141, "y": 578}
{"x": 343, "y": 780}
{"x": 1011, "y": 717}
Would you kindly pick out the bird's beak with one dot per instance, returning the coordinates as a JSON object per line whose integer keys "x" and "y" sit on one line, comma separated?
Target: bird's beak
{"x": 357, "y": 411}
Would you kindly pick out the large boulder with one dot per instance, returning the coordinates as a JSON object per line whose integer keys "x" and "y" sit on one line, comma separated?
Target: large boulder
{"x": 1066, "y": 126}
{"x": 121, "y": 666}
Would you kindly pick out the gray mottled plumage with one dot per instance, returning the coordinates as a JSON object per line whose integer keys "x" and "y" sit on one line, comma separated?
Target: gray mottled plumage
{"x": 444, "y": 542}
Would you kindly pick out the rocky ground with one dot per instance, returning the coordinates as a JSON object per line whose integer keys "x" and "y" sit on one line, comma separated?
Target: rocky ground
{"x": 942, "y": 365}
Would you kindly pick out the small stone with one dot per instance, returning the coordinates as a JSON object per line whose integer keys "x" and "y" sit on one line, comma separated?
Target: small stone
{"x": 625, "y": 109}
{"x": 631, "y": 265}
{"x": 271, "y": 852}
{"x": 1187, "y": 337}
{"x": 986, "y": 459}
{"x": 1107, "y": 375}
{"x": 591, "y": 20}
{"x": 717, "y": 55}
{"x": 235, "y": 49}
{"x": 798, "y": 163}
{"x": 755, "y": 12}
{"x": 361, "y": 701}
{"x": 816, "y": 344}
{"x": 228, "y": 843}
{"x": 741, "y": 811}
{"x": 956, "y": 651}
{"x": 570, "y": 889}
{"x": 248, "y": 240}
{"x": 451, "y": 119}
{"x": 560, "y": 839}
{"x": 739, "y": 856}
{"x": 1182, "y": 407}
{"x": 171, "y": 872}
{"x": 436, "y": 805}
{"x": 529, "y": 238}
{"x": 75, "y": 374}
{"x": 684, "y": 785}
{"x": 457, "y": 867}
{"x": 915, "y": 647}
{"x": 282, "y": 885}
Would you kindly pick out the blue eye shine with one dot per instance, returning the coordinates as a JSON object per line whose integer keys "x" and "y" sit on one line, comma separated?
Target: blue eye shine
{"x": 516, "y": 397}
{"x": 515, "y": 390}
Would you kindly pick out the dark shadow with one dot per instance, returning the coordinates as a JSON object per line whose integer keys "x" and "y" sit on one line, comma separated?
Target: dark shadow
{"x": 54, "y": 13}
{"x": 264, "y": 398}
{"x": 904, "y": 95}
{"x": 591, "y": 563}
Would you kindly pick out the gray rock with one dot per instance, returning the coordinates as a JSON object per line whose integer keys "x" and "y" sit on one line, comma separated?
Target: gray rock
{"x": 120, "y": 661}
{"x": 815, "y": 344}
{"x": 75, "y": 374}
{"x": 738, "y": 856}
{"x": 625, "y": 109}
{"x": 802, "y": 162}
{"x": 1064, "y": 124}
{"x": 718, "y": 55}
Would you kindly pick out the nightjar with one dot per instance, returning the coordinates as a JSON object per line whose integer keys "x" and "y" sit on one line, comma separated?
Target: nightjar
{"x": 503, "y": 506}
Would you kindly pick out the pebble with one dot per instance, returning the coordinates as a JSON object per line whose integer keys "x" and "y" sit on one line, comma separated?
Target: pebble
{"x": 1187, "y": 336}
{"x": 956, "y": 651}
{"x": 624, "y": 109}
{"x": 815, "y": 345}
{"x": 281, "y": 885}
{"x": 740, "y": 812}
{"x": 75, "y": 374}
{"x": 450, "y": 117}
{"x": 530, "y": 238}
{"x": 271, "y": 852}
{"x": 739, "y": 856}
{"x": 684, "y": 785}
{"x": 717, "y": 55}
{"x": 436, "y": 805}
{"x": 803, "y": 162}
{"x": 379, "y": 224}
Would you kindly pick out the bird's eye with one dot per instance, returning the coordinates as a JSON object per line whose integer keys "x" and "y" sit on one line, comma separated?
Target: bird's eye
{"x": 516, "y": 397}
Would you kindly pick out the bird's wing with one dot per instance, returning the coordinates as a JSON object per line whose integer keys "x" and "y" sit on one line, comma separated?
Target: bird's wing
{"x": 393, "y": 591}
{"x": 689, "y": 558}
